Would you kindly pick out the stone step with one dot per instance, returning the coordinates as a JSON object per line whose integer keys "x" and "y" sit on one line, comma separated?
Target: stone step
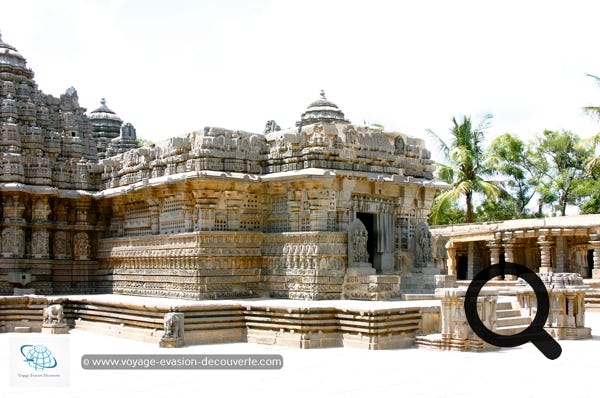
{"x": 513, "y": 321}
{"x": 504, "y": 305}
{"x": 508, "y": 313}
{"x": 509, "y": 330}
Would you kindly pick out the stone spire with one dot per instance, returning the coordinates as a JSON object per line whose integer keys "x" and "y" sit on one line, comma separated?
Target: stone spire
{"x": 322, "y": 110}
{"x": 10, "y": 57}
{"x": 106, "y": 126}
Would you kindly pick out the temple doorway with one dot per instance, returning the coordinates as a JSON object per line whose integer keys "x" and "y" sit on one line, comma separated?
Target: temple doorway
{"x": 590, "y": 262}
{"x": 462, "y": 266}
{"x": 368, "y": 219}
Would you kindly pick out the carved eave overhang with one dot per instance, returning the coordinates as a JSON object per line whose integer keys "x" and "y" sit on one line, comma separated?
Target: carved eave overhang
{"x": 302, "y": 174}
{"x": 45, "y": 190}
{"x": 177, "y": 179}
{"x": 578, "y": 225}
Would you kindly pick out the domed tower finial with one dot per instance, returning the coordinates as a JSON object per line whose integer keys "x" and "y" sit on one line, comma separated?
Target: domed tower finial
{"x": 103, "y": 101}
{"x": 322, "y": 110}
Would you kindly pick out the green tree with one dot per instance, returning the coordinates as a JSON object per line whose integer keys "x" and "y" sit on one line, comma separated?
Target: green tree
{"x": 558, "y": 163}
{"x": 508, "y": 156}
{"x": 464, "y": 168}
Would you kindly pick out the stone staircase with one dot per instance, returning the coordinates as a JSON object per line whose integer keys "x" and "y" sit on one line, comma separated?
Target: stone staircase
{"x": 508, "y": 317}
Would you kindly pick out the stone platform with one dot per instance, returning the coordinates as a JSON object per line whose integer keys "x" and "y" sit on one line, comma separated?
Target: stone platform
{"x": 291, "y": 323}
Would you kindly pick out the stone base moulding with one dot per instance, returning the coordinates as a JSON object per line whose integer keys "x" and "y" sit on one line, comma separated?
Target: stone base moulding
{"x": 369, "y": 325}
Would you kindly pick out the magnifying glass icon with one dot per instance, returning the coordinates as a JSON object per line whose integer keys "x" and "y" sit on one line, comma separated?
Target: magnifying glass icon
{"x": 535, "y": 331}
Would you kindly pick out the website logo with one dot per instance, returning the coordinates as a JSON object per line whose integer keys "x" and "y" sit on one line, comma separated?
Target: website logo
{"x": 38, "y": 357}
{"x": 39, "y": 361}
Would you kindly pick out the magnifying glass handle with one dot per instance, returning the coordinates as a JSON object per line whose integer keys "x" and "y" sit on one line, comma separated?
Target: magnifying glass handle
{"x": 547, "y": 345}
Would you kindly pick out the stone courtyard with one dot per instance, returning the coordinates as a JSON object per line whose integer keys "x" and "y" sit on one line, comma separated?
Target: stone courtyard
{"x": 335, "y": 372}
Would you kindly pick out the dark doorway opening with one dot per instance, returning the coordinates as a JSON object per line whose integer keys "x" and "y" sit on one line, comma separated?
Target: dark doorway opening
{"x": 461, "y": 267}
{"x": 502, "y": 262}
{"x": 590, "y": 262}
{"x": 368, "y": 219}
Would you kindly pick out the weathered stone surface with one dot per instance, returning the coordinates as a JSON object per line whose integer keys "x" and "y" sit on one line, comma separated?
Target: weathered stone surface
{"x": 455, "y": 332}
{"x": 216, "y": 213}
{"x": 566, "y": 318}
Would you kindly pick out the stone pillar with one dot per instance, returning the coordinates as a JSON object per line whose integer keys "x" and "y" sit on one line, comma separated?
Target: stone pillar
{"x": 473, "y": 258}
{"x": 508, "y": 242}
{"x": 385, "y": 243}
{"x": 188, "y": 216}
{"x": 154, "y": 218}
{"x": 545, "y": 254}
{"x": 495, "y": 250}
{"x": 595, "y": 243}
{"x": 561, "y": 254}
{"x": 451, "y": 259}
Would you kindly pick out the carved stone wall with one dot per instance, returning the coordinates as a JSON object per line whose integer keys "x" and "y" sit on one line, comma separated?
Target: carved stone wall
{"x": 213, "y": 214}
{"x": 197, "y": 265}
{"x": 304, "y": 265}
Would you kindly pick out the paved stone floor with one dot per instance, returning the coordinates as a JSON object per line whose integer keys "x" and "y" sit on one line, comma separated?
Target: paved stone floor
{"x": 516, "y": 372}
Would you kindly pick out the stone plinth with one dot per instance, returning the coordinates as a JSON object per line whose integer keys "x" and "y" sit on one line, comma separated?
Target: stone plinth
{"x": 456, "y": 333}
{"x": 362, "y": 284}
{"x": 566, "y": 319}
{"x": 55, "y": 329}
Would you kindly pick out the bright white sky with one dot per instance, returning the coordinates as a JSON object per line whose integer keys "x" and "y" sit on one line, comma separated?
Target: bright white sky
{"x": 170, "y": 67}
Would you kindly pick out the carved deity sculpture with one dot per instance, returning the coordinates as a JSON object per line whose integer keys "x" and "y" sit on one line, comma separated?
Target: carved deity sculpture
{"x": 39, "y": 243}
{"x": 82, "y": 246}
{"x": 360, "y": 247}
{"x": 357, "y": 244}
{"x": 399, "y": 146}
{"x": 423, "y": 242}
{"x": 271, "y": 127}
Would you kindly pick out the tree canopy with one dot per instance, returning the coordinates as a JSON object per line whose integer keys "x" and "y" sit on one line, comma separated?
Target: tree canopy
{"x": 514, "y": 178}
{"x": 464, "y": 169}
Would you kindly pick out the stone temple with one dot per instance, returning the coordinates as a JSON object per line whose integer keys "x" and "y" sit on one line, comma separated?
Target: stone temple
{"x": 326, "y": 209}
{"x": 100, "y": 234}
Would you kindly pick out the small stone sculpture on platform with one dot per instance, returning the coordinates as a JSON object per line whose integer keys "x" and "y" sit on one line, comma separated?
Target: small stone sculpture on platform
{"x": 173, "y": 335}
{"x": 54, "y": 321}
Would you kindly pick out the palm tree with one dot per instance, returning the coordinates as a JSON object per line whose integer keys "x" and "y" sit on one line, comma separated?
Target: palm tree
{"x": 464, "y": 168}
{"x": 594, "y": 112}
